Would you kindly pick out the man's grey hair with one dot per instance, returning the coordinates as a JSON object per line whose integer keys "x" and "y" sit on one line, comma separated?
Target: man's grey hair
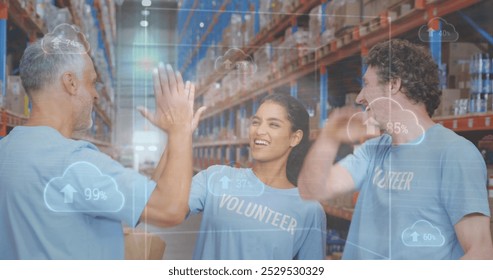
{"x": 44, "y": 62}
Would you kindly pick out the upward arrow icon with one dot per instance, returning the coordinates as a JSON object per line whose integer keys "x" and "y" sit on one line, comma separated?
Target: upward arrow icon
{"x": 68, "y": 191}
{"x": 225, "y": 182}
{"x": 415, "y": 236}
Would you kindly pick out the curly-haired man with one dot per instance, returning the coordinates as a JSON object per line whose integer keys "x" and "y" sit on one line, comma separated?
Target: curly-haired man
{"x": 422, "y": 187}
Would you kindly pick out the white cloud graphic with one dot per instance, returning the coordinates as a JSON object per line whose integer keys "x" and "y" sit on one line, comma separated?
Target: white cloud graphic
{"x": 65, "y": 39}
{"x": 373, "y": 127}
{"x": 222, "y": 182}
{"x": 236, "y": 61}
{"x": 447, "y": 31}
{"x": 422, "y": 234}
{"x": 83, "y": 188}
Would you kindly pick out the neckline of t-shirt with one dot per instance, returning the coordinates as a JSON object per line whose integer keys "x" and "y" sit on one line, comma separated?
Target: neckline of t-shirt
{"x": 267, "y": 187}
{"x": 415, "y": 141}
{"x": 38, "y": 127}
{"x": 46, "y": 129}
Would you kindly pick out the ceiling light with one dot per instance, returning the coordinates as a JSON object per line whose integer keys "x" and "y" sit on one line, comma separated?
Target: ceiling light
{"x": 152, "y": 148}
{"x": 145, "y": 12}
{"x": 144, "y": 23}
{"x": 146, "y": 3}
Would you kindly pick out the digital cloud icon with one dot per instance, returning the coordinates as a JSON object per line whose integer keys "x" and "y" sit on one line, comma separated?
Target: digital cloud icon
{"x": 395, "y": 123}
{"x": 222, "y": 182}
{"x": 65, "y": 39}
{"x": 422, "y": 234}
{"x": 446, "y": 32}
{"x": 83, "y": 188}
{"x": 237, "y": 62}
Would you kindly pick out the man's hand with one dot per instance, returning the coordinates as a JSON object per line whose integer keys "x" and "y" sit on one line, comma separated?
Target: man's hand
{"x": 349, "y": 125}
{"x": 174, "y": 102}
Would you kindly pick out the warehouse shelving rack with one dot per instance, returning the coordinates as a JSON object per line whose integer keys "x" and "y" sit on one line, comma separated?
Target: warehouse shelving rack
{"x": 31, "y": 25}
{"x": 353, "y": 42}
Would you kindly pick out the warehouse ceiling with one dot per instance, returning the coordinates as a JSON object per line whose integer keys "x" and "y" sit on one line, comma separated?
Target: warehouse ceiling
{"x": 139, "y": 49}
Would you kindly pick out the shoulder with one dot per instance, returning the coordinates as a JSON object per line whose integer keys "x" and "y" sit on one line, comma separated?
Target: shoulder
{"x": 311, "y": 206}
{"x": 383, "y": 139}
{"x": 313, "y": 211}
{"x": 439, "y": 133}
{"x": 83, "y": 149}
{"x": 451, "y": 143}
{"x": 83, "y": 145}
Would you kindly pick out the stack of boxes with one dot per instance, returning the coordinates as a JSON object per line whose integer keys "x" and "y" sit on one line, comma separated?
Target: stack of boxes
{"x": 320, "y": 19}
{"x": 346, "y": 13}
{"x": 294, "y": 47}
{"x": 263, "y": 58}
{"x": 455, "y": 97}
{"x": 271, "y": 9}
{"x": 373, "y": 8}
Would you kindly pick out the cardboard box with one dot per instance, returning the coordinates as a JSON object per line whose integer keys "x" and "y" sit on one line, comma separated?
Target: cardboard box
{"x": 458, "y": 63}
{"x": 446, "y": 107}
{"x": 348, "y": 14}
{"x": 140, "y": 245}
{"x": 373, "y": 8}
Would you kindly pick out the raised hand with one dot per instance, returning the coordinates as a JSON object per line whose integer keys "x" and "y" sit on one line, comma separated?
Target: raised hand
{"x": 174, "y": 102}
{"x": 350, "y": 125}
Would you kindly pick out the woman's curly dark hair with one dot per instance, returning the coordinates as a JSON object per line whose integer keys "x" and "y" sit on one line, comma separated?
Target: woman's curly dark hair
{"x": 415, "y": 67}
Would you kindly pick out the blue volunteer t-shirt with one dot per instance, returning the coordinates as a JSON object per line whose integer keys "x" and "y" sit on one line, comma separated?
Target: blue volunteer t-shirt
{"x": 412, "y": 195}
{"x": 246, "y": 219}
{"x": 64, "y": 199}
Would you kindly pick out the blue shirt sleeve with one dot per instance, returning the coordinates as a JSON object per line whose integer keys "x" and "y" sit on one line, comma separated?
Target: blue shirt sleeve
{"x": 314, "y": 245}
{"x": 463, "y": 188}
{"x": 357, "y": 164}
{"x": 102, "y": 187}
{"x": 198, "y": 192}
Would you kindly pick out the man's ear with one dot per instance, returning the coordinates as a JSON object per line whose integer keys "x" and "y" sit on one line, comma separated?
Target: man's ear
{"x": 395, "y": 85}
{"x": 296, "y": 138}
{"x": 70, "y": 82}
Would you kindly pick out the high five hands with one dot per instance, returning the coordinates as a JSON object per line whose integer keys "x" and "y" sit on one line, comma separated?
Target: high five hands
{"x": 174, "y": 102}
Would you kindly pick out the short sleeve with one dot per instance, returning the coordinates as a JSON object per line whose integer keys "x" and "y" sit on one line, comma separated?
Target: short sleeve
{"x": 95, "y": 184}
{"x": 463, "y": 189}
{"x": 357, "y": 164}
{"x": 314, "y": 245}
{"x": 198, "y": 192}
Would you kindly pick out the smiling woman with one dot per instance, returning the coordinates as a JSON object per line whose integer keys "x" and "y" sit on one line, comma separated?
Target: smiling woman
{"x": 257, "y": 213}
